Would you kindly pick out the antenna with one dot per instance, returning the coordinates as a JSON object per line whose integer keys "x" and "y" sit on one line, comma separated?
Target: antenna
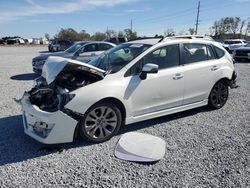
{"x": 197, "y": 19}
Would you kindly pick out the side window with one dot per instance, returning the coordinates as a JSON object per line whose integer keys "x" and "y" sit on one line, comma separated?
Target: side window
{"x": 165, "y": 57}
{"x": 90, "y": 48}
{"x": 220, "y": 53}
{"x": 210, "y": 53}
{"x": 193, "y": 52}
{"x": 104, "y": 47}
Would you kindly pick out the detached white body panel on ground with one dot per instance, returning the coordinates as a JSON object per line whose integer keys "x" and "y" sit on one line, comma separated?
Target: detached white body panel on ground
{"x": 140, "y": 147}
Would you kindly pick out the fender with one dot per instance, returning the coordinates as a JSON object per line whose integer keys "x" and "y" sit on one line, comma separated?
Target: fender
{"x": 106, "y": 88}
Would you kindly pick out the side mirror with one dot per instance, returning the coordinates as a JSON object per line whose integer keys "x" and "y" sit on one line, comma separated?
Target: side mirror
{"x": 148, "y": 69}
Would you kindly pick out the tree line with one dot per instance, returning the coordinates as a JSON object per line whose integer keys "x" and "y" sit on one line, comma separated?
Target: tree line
{"x": 72, "y": 35}
{"x": 224, "y": 28}
{"x": 233, "y": 27}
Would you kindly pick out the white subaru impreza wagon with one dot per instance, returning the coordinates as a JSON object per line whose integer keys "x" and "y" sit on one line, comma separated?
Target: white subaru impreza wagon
{"x": 132, "y": 82}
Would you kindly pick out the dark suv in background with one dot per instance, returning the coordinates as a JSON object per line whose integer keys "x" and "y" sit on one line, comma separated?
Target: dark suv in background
{"x": 59, "y": 45}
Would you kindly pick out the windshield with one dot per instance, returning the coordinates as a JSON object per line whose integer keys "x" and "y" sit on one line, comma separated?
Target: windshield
{"x": 74, "y": 47}
{"x": 118, "y": 57}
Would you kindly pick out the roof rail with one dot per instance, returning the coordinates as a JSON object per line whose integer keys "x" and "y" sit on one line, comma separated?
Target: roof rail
{"x": 189, "y": 37}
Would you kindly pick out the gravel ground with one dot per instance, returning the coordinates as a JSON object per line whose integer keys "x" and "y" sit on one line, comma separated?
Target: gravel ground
{"x": 204, "y": 148}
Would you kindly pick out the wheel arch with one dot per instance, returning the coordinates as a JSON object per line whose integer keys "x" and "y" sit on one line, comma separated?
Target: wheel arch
{"x": 118, "y": 103}
{"x": 224, "y": 79}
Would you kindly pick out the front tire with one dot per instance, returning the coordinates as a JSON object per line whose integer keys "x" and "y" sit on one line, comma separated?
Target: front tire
{"x": 101, "y": 122}
{"x": 218, "y": 95}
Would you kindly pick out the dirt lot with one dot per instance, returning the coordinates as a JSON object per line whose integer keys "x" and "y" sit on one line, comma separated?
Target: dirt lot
{"x": 204, "y": 148}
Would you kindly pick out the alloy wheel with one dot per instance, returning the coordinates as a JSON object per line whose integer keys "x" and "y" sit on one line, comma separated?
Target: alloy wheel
{"x": 219, "y": 95}
{"x": 100, "y": 122}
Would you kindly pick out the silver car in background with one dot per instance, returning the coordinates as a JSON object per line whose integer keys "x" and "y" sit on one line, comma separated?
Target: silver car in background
{"x": 83, "y": 51}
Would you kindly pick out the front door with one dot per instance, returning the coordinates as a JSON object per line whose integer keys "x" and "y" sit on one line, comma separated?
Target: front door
{"x": 158, "y": 91}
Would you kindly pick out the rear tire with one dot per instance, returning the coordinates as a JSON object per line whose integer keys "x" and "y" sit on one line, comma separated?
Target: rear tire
{"x": 100, "y": 123}
{"x": 218, "y": 95}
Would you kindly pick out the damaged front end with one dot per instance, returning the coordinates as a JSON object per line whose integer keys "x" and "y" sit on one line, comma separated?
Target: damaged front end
{"x": 44, "y": 116}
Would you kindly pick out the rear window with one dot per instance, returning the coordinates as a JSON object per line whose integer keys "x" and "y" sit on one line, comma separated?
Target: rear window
{"x": 194, "y": 52}
{"x": 220, "y": 53}
{"x": 104, "y": 46}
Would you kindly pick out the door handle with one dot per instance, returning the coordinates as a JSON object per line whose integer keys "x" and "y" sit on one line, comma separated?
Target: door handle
{"x": 214, "y": 68}
{"x": 177, "y": 76}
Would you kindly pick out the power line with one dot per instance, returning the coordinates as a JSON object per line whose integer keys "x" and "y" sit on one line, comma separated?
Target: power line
{"x": 168, "y": 15}
{"x": 179, "y": 14}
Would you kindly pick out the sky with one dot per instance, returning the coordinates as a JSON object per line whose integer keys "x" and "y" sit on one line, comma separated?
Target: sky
{"x": 34, "y": 18}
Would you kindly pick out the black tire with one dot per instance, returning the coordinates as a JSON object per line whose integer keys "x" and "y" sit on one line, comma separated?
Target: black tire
{"x": 97, "y": 121}
{"x": 218, "y": 95}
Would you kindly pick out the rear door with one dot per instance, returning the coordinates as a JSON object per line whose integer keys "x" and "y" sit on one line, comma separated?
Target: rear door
{"x": 88, "y": 52}
{"x": 102, "y": 47}
{"x": 201, "y": 70}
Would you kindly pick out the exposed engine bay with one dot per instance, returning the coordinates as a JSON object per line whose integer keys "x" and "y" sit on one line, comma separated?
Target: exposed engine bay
{"x": 52, "y": 97}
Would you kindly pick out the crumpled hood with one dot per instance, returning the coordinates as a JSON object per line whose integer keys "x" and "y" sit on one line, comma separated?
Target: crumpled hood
{"x": 54, "y": 65}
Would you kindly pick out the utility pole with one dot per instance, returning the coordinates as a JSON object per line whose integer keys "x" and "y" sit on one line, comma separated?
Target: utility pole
{"x": 131, "y": 25}
{"x": 197, "y": 19}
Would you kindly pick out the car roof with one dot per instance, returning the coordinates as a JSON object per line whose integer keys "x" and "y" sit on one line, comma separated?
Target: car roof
{"x": 89, "y": 42}
{"x": 151, "y": 41}
{"x": 175, "y": 39}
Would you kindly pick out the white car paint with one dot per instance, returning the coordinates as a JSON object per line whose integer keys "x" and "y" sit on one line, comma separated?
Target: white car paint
{"x": 169, "y": 91}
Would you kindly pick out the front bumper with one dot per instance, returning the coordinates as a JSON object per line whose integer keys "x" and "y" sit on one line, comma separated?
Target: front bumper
{"x": 47, "y": 127}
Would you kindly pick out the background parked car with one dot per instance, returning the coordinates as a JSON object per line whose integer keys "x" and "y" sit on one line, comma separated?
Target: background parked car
{"x": 117, "y": 40}
{"x": 1, "y": 41}
{"x": 242, "y": 53}
{"x": 59, "y": 45}
{"x": 82, "y": 51}
{"x": 231, "y": 44}
{"x": 15, "y": 41}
